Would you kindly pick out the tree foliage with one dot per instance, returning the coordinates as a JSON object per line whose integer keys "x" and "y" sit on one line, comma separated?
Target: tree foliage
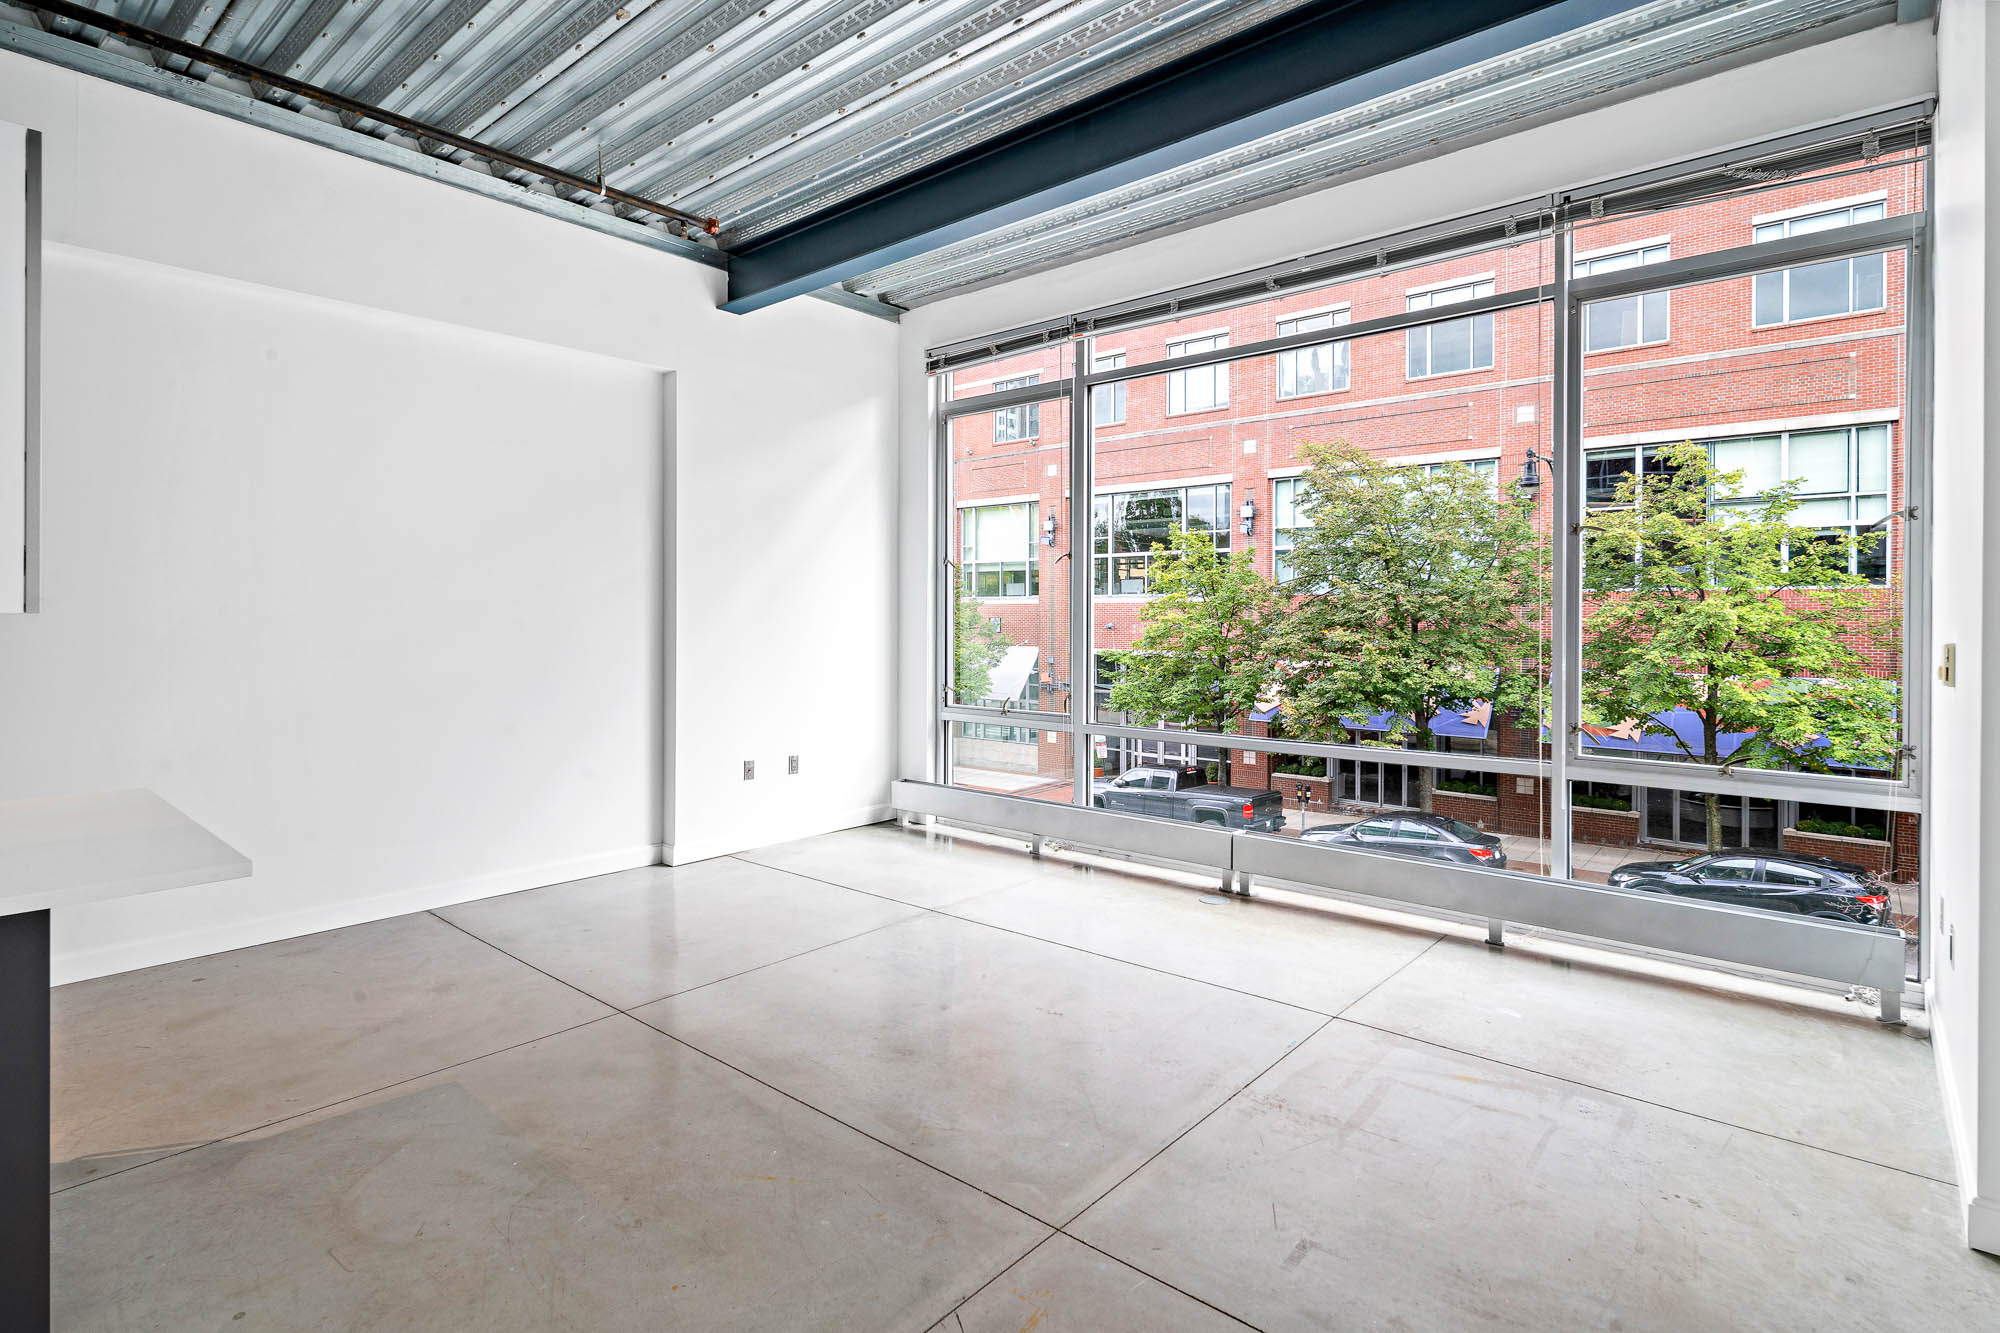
{"x": 978, "y": 644}
{"x": 1416, "y": 593}
{"x": 1201, "y": 656}
{"x": 1722, "y": 604}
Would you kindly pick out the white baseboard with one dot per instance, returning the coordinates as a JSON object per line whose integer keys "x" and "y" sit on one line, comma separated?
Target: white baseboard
{"x": 1981, "y": 1216}
{"x": 82, "y": 964}
{"x": 687, "y": 850}
{"x": 1982, "y": 1224}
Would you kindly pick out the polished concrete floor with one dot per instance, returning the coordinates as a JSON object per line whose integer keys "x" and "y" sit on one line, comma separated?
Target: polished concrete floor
{"x": 879, "y": 1080}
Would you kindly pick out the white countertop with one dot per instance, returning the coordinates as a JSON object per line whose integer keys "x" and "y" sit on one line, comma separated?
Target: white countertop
{"x": 58, "y": 851}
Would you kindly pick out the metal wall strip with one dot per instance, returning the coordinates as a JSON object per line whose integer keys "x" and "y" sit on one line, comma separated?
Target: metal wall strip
{"x": 993, "y": 402}
{"x": 1801, "y": 946}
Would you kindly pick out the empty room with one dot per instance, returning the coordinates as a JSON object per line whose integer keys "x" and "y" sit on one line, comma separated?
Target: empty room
{"x": 992, "y": 665}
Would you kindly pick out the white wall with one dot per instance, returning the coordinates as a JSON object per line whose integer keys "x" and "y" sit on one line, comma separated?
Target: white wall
{"x": 1964, "y": 824}
{"x": 1884, "y": 67}
{"x": 14, "y": 206}
{"x": 355, "y": 545}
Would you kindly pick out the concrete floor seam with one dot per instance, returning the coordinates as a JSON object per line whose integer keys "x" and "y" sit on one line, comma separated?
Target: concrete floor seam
{"x": 1198, "y": 1123}
{"x": 820, "y": 1110}
{"x": 974, "y": 1294}
{"x": 1226, "y": 1314}
{"x": 525, "y": 963}
{"x": 338, "y": 1101}
{"x": 1391, "y": 977}
{"x": 671, "y": 995}
{"x": 1061, "y": 944}
{"x": 1646, "y": 1101}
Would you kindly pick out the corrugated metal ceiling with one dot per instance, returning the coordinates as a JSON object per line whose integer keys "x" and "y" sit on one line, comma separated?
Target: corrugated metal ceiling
{"x": 760, "y": 112}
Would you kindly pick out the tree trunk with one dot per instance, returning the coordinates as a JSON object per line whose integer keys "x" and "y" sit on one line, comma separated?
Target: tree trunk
{"x": 1711, "y": 741}
{"x": 1222, "y": 768}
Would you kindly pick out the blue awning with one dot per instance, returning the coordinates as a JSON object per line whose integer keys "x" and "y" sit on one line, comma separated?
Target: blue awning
{"x": 1676, "y": 731}
{"x": 1470, "y": 723}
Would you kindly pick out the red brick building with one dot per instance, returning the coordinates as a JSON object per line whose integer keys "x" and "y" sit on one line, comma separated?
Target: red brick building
{"x": 1795, "y": 374}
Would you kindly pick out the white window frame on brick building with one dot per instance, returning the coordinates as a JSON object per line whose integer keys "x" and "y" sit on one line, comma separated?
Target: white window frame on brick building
{"x": 1011, "y": 425}
{"x": 1286, "y": 523}
{"x": 1847, "y": 504}
{"x": 1107, "y": 402}
{"x": 1319, "y": 368}
{"x": 1105, "y": 528}
{"x": 1198, "y": 388}
{"x": 1774, "y": 295}
{"x": 978, "y": 563}
{"x": 1639, "y": 320}
{"x": 1476, "y": 330}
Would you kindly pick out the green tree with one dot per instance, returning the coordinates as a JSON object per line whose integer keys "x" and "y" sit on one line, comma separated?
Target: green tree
{"x": 978, "y": 644}
{"x": 1720, "y": 603}
{"x": 1201, "y": 656}
{"x": 1417, "y": 592}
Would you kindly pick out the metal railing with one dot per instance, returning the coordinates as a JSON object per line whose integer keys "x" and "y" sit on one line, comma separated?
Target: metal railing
{"x": 1849, "y": 954}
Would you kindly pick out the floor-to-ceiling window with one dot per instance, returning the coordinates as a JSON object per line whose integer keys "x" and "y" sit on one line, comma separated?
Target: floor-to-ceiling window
{"x": 1585, "y": 537}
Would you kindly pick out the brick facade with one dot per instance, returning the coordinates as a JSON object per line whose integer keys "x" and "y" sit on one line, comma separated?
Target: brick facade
{"x": 1716, "y": 374}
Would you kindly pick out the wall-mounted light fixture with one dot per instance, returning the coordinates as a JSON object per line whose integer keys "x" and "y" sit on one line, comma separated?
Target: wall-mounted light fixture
{"x": 1049, "y": 530}
{"x": 1249, "y": 517}
{"x": 1531, "y": 472}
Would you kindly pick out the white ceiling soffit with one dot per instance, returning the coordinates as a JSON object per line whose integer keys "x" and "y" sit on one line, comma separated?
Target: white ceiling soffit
{"x": 1668, "y": 41}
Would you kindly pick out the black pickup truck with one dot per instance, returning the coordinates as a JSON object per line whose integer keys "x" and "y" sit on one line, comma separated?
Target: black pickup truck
{"x": 1184, "y": 792}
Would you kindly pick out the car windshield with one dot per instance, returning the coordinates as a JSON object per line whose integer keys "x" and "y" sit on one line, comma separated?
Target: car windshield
{"x": 1463, "y": 831}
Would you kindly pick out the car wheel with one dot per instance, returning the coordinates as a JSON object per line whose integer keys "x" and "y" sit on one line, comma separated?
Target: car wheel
{"x": 1097, "y": 801}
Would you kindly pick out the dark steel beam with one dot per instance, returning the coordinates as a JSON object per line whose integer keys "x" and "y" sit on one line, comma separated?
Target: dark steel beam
{"x": 1318, "y": 60}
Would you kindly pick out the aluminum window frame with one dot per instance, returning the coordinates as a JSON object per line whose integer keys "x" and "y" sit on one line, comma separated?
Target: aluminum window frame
{"x": 1829, "y": 151}
{"x": 943, "y": 561}
{"x": 1342, "y": 369}
{"x": 1907, "y": 233}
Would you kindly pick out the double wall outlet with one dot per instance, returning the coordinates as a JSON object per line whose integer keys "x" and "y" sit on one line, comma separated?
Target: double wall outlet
{"x": 750, "y": 767}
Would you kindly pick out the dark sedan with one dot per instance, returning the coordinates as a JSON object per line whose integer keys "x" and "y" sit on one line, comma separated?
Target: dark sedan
{"x": 1414, "y": 833}
{"x": 1807, "y": 885}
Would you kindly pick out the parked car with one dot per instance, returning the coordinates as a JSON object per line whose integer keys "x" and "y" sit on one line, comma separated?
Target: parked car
{"x": 1808, "y": 885}
{"x": 1184, "y": 792}
{"x": 1415, "y": 833}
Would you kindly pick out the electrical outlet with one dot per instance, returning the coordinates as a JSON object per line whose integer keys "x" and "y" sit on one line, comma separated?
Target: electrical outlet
{"x": 792, "y": 764}
{"x": 1948, "y": 664}
{"x": 749, "y": 769}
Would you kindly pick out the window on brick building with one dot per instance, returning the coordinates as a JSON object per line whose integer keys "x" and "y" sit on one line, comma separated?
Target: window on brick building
{"x": 1017, "y": 423}
{"x": 1128, "y": 525}
{"x": 999, "y": 550}
{"x": 1202, "y": 388}
{"x": 1601, "y": 795}
{"x": 1287, "y": 521}
{"x": 1624, "y": 321}
{"x": 1486, "y": 468}
{"x": 1842, "y": 477}
{"x": 1818, "y": 291}
{"x": 1451, "y": 345}
{"x": 1107, "y": 401}
{"x": 1320, "y": 368}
